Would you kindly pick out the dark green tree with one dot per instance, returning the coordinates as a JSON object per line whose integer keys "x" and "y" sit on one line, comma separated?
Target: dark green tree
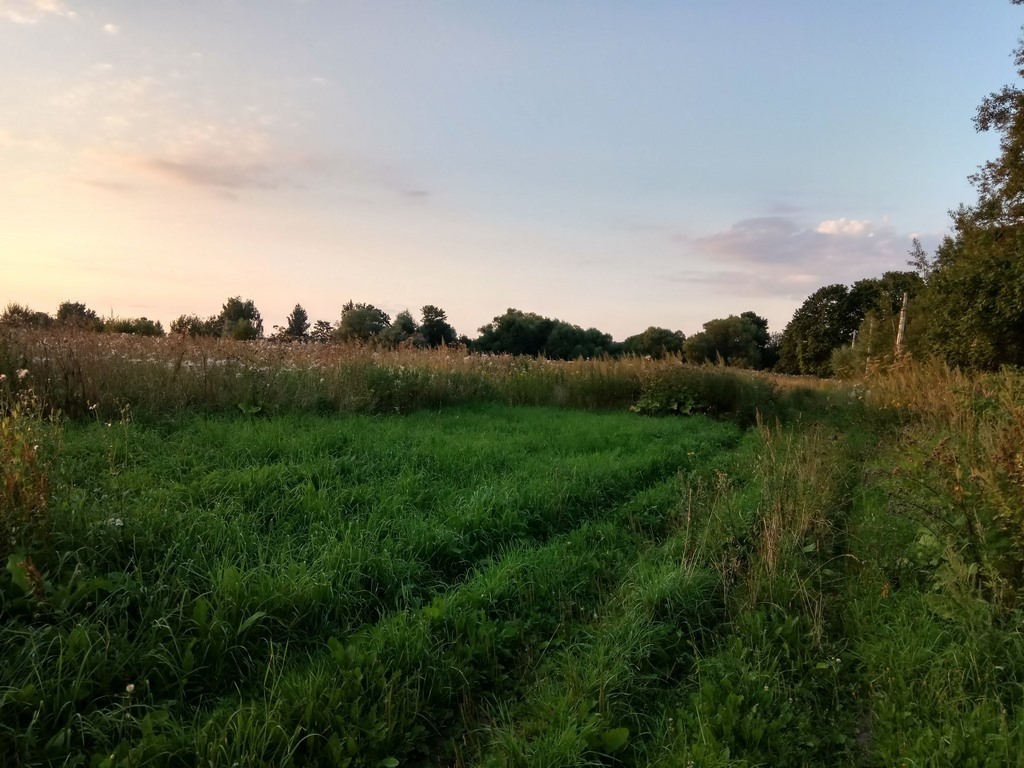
{"x": 974, "y": 304}
{"x": 515, "y": 333}
{"x": 571, "y": 342}
{"x": 435, "y": 328}
{"x": 296, "y": 324}
{"x": 239, "y": 319}
{"x": 403, "y": 330}
{"x": 361, "y": 322}
{"x": 656, "y": 342}
{"x": 76, "y": 315}
{"x": 737, "y": 340}
{"x": 826, "y": 320}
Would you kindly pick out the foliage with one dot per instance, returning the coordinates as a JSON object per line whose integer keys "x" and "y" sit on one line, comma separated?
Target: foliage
{"x": 141, "y": 326}
{"x": 527, "y": 333}
{"x": 656, "y": 342}
{"x": 361, "y": 323}
{"x": 434, "y": 328}
{"x": 739, "y": 341}
{"x": 26, "y": 435}
{"x": 296, "y": 325}
{"x": 515, "y": 333}
{"x": 195, "y": 326}
{"x": 974, "y": 304}
{"x": 240, "y": 320}
{"x": 322, "y": 332}
{"x": 20, "y": 316}
{"x": 571, "y": 342}
{"x": 826, "y": 320}
{"x": 403, "y": 330}
{"x": 77, "y": 315}
{"x": 975, "y": 299}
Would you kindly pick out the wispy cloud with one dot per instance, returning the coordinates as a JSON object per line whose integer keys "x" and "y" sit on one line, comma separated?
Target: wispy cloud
{"x": 227, "y": 176}
{"x": 111, "y": 29}
{"x": 33, "y": 11}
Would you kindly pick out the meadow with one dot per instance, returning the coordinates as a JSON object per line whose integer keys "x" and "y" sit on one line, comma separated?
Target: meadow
{"x": 225, "y": 553}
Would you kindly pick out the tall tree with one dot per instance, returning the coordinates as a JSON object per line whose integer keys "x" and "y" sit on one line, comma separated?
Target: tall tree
{"x": 435, "y": 328}
{"x": 322, "y": 332}
{"x": 737, "y": 340}
{"x": 239, "y": 319}
{"x": 656, "y": 342}
{"x": 403, "y": 329}
{"x": 296, "y": 324}
{"x": 361, "y": 322}
{"x": 975, "y": 296}
{"x": 826, "y": 320}
{"x": 77, "y": 315}
{"x": 515, "y": 333}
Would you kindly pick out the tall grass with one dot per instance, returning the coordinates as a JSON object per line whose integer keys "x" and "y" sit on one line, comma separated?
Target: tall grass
{"x": 101, "y": 374}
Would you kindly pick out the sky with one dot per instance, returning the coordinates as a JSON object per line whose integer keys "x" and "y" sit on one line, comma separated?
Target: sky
{"x": 613, "y": 164}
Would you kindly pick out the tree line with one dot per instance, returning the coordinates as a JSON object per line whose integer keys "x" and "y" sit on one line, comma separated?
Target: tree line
{"x": 741, "y": 340}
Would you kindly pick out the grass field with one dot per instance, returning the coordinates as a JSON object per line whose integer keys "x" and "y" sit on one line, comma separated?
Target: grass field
{"x": 462, "y": 578}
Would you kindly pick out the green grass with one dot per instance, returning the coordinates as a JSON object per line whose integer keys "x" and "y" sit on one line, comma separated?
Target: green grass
{"x": 210, "y": 577}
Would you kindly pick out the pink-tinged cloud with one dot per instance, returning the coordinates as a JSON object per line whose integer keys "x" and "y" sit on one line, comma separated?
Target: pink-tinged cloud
{"x": 776, "y": 255}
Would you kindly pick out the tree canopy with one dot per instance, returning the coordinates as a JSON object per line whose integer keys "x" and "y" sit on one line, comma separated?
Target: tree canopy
{"x": 77, "y": 315}
{"x": 738, "y": 340}
{"x": 239, "y": 319}
{"x": 435, "y": 329}
{"x": 361, "y": 322}
{"x": 655, "y": 342}
{"x": 974, "y": 302}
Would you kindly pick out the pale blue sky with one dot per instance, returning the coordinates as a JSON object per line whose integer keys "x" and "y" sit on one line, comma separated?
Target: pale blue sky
{"x": 613, "y": 164}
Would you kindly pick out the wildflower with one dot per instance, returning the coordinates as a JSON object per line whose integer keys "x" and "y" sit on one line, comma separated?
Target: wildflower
{"x": 3, "y": 378}
{"x": 130, "y": 688}
{"x": 22, "y": 373}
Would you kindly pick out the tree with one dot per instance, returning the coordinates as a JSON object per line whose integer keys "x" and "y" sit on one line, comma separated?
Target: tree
{"x": 193, "y": 325}
{"x": 76, "y": 315}
{"x": 826, "y": 320}
{"x": 297, "y": 324}
{"x": 240, "y": 319}
{"x": 571, "y": 342}
{"x": 361, "y": 322}
{"x": 974, "y": 302}
{"x": 735, "y": 339}
{"x": 138, "y": 326}
{"x": 918, "y": 259}
{"x": 655, "y": 342}
{"x": 402, "y": 330}
{"x": 434, "y": 327}
{"x": 322, "y": 332}
{"x": 515, "y": 333}
{"x": 20, "y": 316}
